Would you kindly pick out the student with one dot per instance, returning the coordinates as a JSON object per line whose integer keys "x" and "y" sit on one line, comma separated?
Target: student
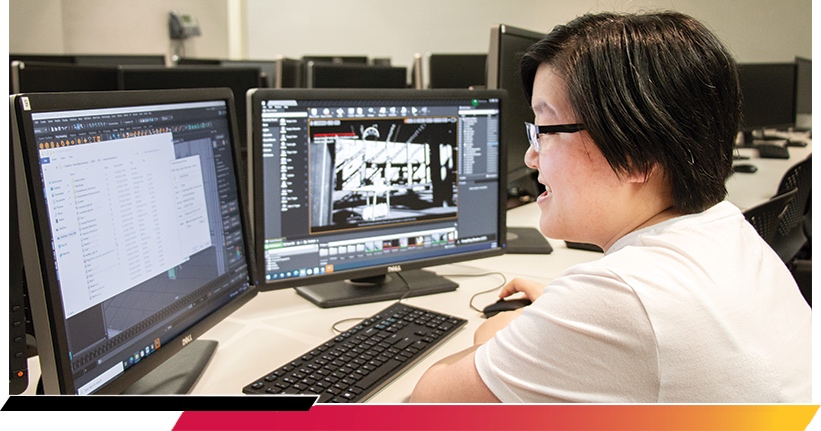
{"x": 636, "y": 119}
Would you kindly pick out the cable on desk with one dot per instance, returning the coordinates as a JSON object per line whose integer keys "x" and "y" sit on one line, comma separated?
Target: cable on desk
{"x": 470, "y": 303}
{"x": 338, "y": 322}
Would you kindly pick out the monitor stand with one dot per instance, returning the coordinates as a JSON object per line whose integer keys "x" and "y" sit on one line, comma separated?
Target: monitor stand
{"x": 526, "y": 240}
{"x": 178, "y": 374}
{"x": 380, "y": 288}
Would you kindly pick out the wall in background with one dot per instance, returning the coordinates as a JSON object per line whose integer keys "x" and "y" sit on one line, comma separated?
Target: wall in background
{"x": 754, "y": 30}
{"x": 113, "y": 27}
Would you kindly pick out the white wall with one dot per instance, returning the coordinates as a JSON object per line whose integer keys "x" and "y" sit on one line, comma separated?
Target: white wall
{"x": 113, "y": 27}
{"x": 755, "y": 30}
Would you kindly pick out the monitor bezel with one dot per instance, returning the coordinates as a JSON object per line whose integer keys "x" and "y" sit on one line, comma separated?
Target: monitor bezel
{"x": 518, "y": 174}
{"x": 43, "y": 288}
{"x": 255, "y": 178}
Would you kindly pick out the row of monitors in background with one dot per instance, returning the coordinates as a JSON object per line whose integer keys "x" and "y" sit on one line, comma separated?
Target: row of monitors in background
{"x": 775, "y": 94}
{"x": 123, "y": 271}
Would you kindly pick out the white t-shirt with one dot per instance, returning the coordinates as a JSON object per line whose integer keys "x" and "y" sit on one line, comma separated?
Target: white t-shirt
{"x": 695, "y": 309}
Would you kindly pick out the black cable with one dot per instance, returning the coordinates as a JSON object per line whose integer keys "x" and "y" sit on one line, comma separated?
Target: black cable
{"x": 339, "y": 331}
{"x": 470, "y": 303}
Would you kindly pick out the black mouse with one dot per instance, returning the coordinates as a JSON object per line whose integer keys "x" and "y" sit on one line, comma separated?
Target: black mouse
{"x": 504, "y": 305}
{"x": 745, "y": 168}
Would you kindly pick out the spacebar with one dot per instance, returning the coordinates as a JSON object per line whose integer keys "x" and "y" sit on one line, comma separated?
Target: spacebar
{"x": 369, "y": 380}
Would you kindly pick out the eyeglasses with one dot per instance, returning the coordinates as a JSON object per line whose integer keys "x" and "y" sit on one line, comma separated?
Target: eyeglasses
{"x": 533, "y": 132}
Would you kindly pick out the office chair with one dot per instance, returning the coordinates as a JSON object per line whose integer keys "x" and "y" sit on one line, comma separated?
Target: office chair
{"x": 791, "y": 235}
{"x": 765, "y": 217}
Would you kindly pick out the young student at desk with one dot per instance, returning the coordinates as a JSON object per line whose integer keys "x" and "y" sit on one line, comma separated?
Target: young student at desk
{"x": 636, "y": 118}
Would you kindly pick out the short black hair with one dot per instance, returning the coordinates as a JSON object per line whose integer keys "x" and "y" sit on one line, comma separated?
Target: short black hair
{"x": 650, "y": 88}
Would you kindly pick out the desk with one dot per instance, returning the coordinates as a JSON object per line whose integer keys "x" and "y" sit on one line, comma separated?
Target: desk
{"x": 277, "y": 326}
{"x": 746, "y": 190}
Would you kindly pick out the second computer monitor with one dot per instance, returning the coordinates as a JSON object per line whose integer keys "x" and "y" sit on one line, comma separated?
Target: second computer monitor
{"x": 354, "y": 191}
{"x": 507, "y": 44}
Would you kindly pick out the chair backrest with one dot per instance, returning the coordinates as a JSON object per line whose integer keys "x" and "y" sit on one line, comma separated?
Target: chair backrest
{"x": 798, "y": 177}
{"x": 765, "y": 217}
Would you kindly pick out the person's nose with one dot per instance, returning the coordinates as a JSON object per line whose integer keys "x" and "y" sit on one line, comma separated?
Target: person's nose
{"x": 532, "y": 158}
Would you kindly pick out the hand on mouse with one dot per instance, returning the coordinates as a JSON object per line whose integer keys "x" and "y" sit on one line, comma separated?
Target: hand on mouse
{"x": 532, "y": 289}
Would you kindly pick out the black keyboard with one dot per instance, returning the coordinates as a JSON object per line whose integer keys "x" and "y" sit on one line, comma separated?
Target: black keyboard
{"x": 772, "y": 151}
{"x": 355, "y": 364}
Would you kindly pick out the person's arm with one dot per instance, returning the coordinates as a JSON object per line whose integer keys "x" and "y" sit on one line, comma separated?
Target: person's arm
{"x": 455, "y": 379}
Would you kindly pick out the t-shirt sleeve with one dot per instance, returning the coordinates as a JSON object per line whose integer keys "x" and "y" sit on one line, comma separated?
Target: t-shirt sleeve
{"x": 586, "y": 339}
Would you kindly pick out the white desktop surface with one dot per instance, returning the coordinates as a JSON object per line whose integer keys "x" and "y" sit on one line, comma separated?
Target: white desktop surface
{"x": 278, "y": 326}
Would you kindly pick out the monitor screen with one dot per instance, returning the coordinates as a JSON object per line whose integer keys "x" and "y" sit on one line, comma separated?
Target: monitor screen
{"x": 768, "y": 95}
{"x": 133, "y": 228}
{"x": 457, "y": 70}
{"x": 352, "y": 75}
{"x": 803, "y": 92}
{"x": 507, "y": 44}
{"x": 354, "y": 191}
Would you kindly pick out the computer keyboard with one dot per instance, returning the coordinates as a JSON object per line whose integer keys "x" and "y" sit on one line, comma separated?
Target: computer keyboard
{"x": 355, "y": 364}
{"x": 772, "y": 151}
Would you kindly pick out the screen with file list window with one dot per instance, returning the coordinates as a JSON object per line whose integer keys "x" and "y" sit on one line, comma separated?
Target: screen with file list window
{"x": 132, "y": 204}
{"x": 355, "y": 191}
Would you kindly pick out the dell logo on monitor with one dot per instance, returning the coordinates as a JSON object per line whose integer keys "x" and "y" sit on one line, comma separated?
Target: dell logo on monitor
{"x": 395, "y": 268}
{"x": 188, "y": 338}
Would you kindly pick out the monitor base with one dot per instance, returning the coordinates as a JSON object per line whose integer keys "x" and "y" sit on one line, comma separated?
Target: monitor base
{"x": 398, "y": 285}
{"x": 177, "y": 375}
{"x": 526, "y": 240}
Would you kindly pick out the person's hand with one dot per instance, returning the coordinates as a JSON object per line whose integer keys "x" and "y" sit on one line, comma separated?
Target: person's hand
{"x": 532, "y": 289}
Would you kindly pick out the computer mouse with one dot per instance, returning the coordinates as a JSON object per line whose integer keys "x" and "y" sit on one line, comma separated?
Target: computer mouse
{"x": 504, "y": 305}
{"x": 745, "y": 168}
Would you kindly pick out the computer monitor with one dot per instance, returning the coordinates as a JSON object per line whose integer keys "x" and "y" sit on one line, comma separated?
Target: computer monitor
{"x": 355, "y": 191}
{"x": 33, "y": 76}
{"x": 338, "y": 59}
{"x": 768, "y": 93}
{"x": 347, "y": 75}
{"x": 267, "y": 68}
{"x": 457, "y": 70}
{"x": 803, "y": 93}
{"x": 119, "y": 59}
{"x": 507, "y": 44}
{"x": 289, "y": 73}
{"x": 133, "y": 233}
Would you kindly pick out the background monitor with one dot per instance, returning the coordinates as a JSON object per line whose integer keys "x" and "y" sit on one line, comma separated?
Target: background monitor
{"x": 354, "y": 191}
{"x": 338, "y": 59}
{"x": 457, "y": 70}
{"x": 803, "y": 93}
{"x": 507, "y": 44}
{"x": 32, "y": 76}
{"x": 289, "y": 73}
{"x": 267, "y": 68}
{"x": 768, "y": 93}
{"x": 346, "y": 75}
{"x": 119, "y": 59}
{"x": 133, "y": 233}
